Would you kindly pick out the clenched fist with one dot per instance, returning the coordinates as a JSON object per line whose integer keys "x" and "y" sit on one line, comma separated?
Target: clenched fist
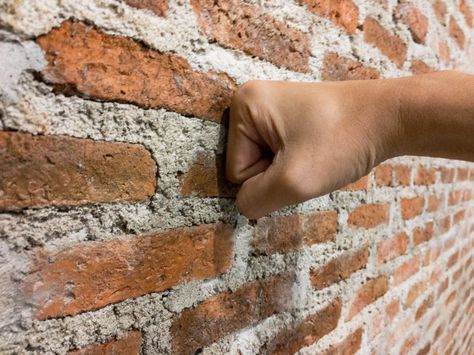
{"x": 289, "y": 142}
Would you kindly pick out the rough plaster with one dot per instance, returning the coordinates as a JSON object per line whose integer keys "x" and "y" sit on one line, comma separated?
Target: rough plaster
{"x": 30, "y": 106}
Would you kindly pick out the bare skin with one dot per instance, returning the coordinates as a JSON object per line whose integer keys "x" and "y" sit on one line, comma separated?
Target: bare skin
{"x": 290, "y": 142}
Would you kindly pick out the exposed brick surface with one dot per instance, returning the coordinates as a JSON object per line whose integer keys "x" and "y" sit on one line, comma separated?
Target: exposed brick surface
{"x": 423, "y": 234}
{"x": 369, "y": 216}
{"x": 239, "y": 25}
{"x": 411, "y": 207}
{"x": 434, "y": 203}
{"x": 444, "y": 52}
{"x": 130, "y": 344}
{"x": 415, "y": 291}
{"x": 389, "y": 44}
{"x": 383, "y": 175}
{"x": 39, "y": 171}
{"x": 159, "y": 7}
{"x": 206, "y": 178}
{"x": 343, "y": 13}
{"x": 420, "y": 67}
{"x": 310, "y": 330}
{"x": 456, "y": 32}
{"x": 447, "y": 175}
{"x": 349, "y": 346}
{"x": 227, "y": 312}
{"x": 427, "y": 303}
{"x": 320, "y": 227}
{"x": 368, "y": 293}
{"x": 358, "y": 185}
{"x": 336, "y": 67}
{"x": 417, "y": 22}
{"x": 425, "y": 176}
{"x": 406, "y": 270}
{"x": 339, "y": 268}
{"x": 86, "y": 61}
{"x": 467, "y": 12}
{"x": 440, "y": 10}
{"x": 94, "y": 274}
{"x": 403, "y": 174}
{"x": 391, "y": 248}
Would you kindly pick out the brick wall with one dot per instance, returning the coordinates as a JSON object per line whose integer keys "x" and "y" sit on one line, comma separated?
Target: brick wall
{"x": 119, "y": 233}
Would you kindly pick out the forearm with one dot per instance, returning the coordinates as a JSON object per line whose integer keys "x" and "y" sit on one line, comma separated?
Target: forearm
{"x": 437, "y": 115}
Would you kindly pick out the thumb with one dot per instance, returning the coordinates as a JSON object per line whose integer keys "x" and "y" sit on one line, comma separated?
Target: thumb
{"x": 264, "y": 193}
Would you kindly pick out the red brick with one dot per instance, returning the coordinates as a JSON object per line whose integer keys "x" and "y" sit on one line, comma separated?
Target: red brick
{"x": 425, "y": 176}
{"x": 367, "y": 294}
{"x": 412, "y": 17}
{"x": 277, "y": 234}
{"x": 432, "y": 255}
{"x": 344, "y": 13}
{"x": 389, "y": 44}
{"x": 450, "y": 299}
{"x": 427, "y": 303}
{"x": 441, "y": 11}
{"x": 435, "y": 275}
{"x": 425, "y": 350}
{"x": 455, "y": 197}
{"x": 38, "y": 171}
{"x": 467, "y": 195}
{"x": 91, "y": 275}
{"x": 336, "y": 68}
{"x": 444, "y": 52}
{"x": 392, "y": 309}
{"x": 320, "y": 227}
{"x": 453, "y": 259}
{"x": 369, "y": 216}
{"x": 423, "y": 234}
{"x": 462, "y": 174}
{"x": 444, "y": 224}
{"x": 459, "y": 217}
{"x": 415, "y": 291}
{"x": 411, "y": 207}
{"x": 409, "y": 343}
{"x": 434, "y": 203}
{"x": 309, "y": 331}
{"x": 206, "y": 178}
{"x": 130, "y": 344}
{"x": 349, "y": 346}
{"x": 406, "y": 270}
{"x": 239, "y": 25}
{"x": 86, "y": 61}
{"x": 442, "y": 287}
{"x": 467, "y": 12}
{"x": 457, "y": 275}
{"x": 227, "y": 312}
{"x": 339, "y": 268}
{"x": 456, "y": 32}
{"x": 383, "y": 175}
{"x": 391, "y": 248}
{"x": 158, "y": 7}
{"x": 420, "y": 67}
{"x": 447, "y": 175}
{"x": 403, "y": 174}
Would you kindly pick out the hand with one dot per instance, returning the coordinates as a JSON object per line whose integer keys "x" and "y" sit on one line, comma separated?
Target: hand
{"x": 289, "y": 142}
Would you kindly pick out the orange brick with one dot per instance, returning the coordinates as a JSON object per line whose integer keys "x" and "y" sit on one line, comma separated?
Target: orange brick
{"x": 403, "y": 174}
{"x": 39, "y": 171}
{"x": 158, "y": 7}
{"x": 369, "y": 215}
{"x": 462, "y": 174}
{"x": 361, "y": 184}
{"x": 423, "y": 234}
{"x": 336, "y": 68}
{"x": 226, "y": 312}
{"x": 130, "y": 344}
{"x": 434, "y": 203}
{"x": 441, "y": 11}
{"x": 391, "y": 248}
{"x": 420, "y": 67}
{"x": 427, "y": 303}
{"x": 391, "y": 310}
{"x": 455, "y": 197}
{"x": 344, "y": 13}
{"x": 320, "y": 227}
{"x": 91, "y": 275}
{"x": 350, "y": 344}
{"x": 467, "y": 12}
{"x": 406, "y": 270}
{"x": 447, "y": 175}
{"x": 456, "y": 32}
{"x": 415, "y": 291}
{"x": 339, "y": 268}
{"x": 383, "y": 175}
{"x": 411, "y": 207}
{"x": 367, "y": 294}
{"x": 417, "y": 22}
{"x": 425, "y": 176}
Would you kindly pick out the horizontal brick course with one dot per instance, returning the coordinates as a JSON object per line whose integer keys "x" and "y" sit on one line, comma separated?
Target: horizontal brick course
{"x": 130, "y": 344}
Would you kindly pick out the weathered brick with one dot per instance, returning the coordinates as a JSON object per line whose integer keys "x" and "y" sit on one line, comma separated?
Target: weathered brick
{"x": 391, "y": 310}
{"x": 391, "y": 248}
{"x": 239, "y": 25}
{"x": 434, "y": 203}
{"x": 383, "y": 175}
{"x": 447, "y": 174}
{"x": 467, "y": 12}
{"x": 158, "y": 7}
{"x": 130, "y": 344}
{"x": 456, "y": 32}
{"x": 412, "y": 17}
{"x": 227, "y": 312}
{"x": 349, "y": 346}
{"x": 423, "y": 234}
{"x": 414, "y": 292}
{"x": 425, "y": 176}
{"x": 462, "y": 174}
{"x": 358, "y": 185}
{"x": 389, "y": 44}
{"x": 309, "y": 331}
{"x": 91, "y": 275}
{"x": 320, "y": 227}
{"x": 336, "y": 67}
{"x": 441, "y": 11}
{"x": 420, "y": 67}
{"x": 339, "y": 268}
{"x": 427, "y": 303}
{"x": 425, "y": 350}
{"x": 369, "y": 215}
{"x": 444, "y": 224}
{"x": 277, "y": 234}
{"x": 431, "y": 255}
{"x": 86, "y": 61}
{"x": 39, "y": 171}
{"x": 411, "y": 207}
{"x": 459, "y": 217}
{"x": 444, "y": 52}
{"x": 403, "y": 174}
{"x": 206, "y": 178}
{"x": 450, "y": 299}
{"x": 344, "y": 13}
{"x": 409, "y": 343}
{"x": 455, "y": 197}
{"x": 453, "y": 259}
{"x": 367, "y": 294}
{"x": 406, "y": 270}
